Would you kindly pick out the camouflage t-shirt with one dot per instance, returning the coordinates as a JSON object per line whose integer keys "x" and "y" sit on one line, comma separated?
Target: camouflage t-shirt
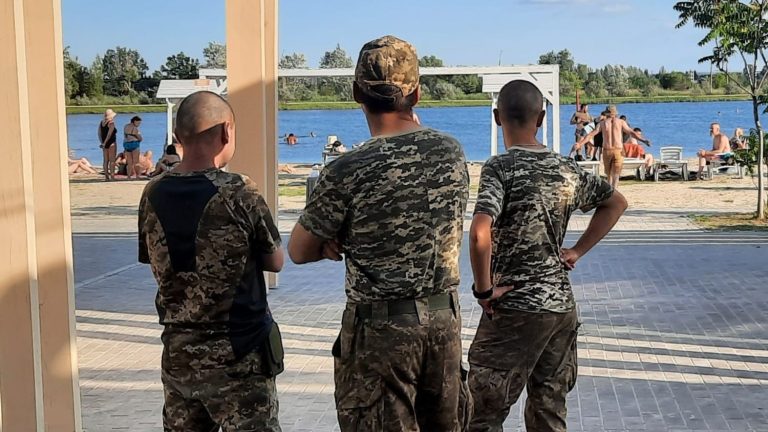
{"x": 204, "y": 233}
{"x": 531, "y": 195}
{"x": 397, "y": 204}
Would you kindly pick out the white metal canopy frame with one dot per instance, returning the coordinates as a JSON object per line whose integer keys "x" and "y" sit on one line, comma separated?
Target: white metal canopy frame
{"x": 545, "y": 77}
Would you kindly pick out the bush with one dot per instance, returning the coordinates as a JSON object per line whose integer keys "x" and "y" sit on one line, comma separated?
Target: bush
{"x": 445, "y": 90}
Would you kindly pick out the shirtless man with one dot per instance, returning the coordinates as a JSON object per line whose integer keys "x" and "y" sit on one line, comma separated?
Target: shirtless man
{"x": 720, "y": 146}
{"x": 613, "y": 147}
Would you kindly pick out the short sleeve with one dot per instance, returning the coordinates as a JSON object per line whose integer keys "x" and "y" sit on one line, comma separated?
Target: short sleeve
{"x": 143, "y": 251}
{"x": 490, "y": 196}
{"x": 265, "y": 232}
{"x": 591, "y": 191}
{"x": 264, "y": 235}
{"x": 327, "y": 208}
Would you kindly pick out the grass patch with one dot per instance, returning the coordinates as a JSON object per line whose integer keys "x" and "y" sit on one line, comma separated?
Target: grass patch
{"x": 731, "y": 222}
{"x": 292, "y": 191}
{"x": 99, "y": 109}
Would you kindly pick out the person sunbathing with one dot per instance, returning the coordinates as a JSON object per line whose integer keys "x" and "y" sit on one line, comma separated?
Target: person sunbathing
{"x": 634, "y": 150}
{"x": 166, "y": 163}
{"x": 80, "y": 166}
{"x": 721, "y": 149}
{"x": 145, "y": 166}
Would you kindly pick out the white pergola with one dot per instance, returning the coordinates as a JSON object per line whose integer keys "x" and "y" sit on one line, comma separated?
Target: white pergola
{"x": 545, "y": 77}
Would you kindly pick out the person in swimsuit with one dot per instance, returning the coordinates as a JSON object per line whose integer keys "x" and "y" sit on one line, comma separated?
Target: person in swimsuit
{"x": 131, "y": 142}
{"x": 166, "y": 163}
{"x": 108, "y": 143}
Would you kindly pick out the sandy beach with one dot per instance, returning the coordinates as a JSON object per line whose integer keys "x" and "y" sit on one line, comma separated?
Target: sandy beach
{"x": 106, "y": 206}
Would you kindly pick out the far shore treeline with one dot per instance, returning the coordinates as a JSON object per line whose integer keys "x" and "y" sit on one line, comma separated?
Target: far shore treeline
{"x": 121, "y": 77}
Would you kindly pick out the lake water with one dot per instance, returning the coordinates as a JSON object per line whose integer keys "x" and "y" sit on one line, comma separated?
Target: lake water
{"x": 682, "y": 124}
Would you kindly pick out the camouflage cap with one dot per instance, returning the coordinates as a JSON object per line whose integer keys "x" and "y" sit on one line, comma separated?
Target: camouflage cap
{"x": 388, "y": 60}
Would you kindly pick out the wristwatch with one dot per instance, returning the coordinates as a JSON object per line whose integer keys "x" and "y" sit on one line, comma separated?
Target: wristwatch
{"x": 485, "y": 295}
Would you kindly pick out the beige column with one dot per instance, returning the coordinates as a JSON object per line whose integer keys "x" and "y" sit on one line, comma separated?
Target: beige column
{"x": 38, "y": 375}
{"x": 48, "y": 126}
{"x": 251, "y": 75}
{"x": 21, "y": 407}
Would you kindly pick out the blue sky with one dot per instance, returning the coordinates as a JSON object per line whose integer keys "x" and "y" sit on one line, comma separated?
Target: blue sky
{"x": 461, "y": 32}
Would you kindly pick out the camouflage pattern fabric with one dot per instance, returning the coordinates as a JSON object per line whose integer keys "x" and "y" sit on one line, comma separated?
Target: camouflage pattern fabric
{"x": 237, "y": 398}
{"x": 204, "y": 234}
{"x": 388, "y": 60}
{"x": 397, "y": 204}
{"x": 398, "y": 374}
{"x": 516, "y": 349}
{"x": 531, "y": 195}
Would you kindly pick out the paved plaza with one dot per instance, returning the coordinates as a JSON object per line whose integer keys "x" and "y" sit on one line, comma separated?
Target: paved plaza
{"x": 674, "y": 334}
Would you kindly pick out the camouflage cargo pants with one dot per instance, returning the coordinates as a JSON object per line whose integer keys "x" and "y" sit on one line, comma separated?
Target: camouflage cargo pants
{"x": 516, "y": 349}
{"x": 400, "y": 372}
{"x": 235, "y": 398}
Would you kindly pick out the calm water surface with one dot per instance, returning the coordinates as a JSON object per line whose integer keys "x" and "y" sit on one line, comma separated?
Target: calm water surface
{"x": 683, "y": 124}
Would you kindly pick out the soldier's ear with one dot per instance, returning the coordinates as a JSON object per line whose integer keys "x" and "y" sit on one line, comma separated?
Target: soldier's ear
{"x": 496, "y": 116}
{"x": 540, "y": 120}
{"x": 226, "y": 132}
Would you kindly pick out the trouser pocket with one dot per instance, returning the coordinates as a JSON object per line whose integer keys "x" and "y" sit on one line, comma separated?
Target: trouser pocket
{"x": 572, "y": 361}
{"x": 358, "y": 400}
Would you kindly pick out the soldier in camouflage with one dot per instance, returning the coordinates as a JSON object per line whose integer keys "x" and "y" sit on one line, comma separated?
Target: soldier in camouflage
{"x": 527, "y": 334}
{"x": 209, "y": 236}
{"x": 394, "y": 208}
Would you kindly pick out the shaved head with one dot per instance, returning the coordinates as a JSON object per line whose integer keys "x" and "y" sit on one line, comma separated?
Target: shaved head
{"x": 201, "y": 116}
{"x": 520, "y": 103}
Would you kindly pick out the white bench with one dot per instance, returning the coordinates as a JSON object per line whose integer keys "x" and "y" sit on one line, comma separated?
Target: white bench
{"x": 590, "y": 166}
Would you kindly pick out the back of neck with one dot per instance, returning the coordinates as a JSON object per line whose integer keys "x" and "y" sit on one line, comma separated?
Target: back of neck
{"x": 391, "y": 123}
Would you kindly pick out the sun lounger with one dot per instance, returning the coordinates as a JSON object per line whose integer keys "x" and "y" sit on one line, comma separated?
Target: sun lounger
{"x": 590, "y": 166}
{"x": 721, "y": 166}
{"x": 671, "y": 158}
{"x": 638, "y": 165}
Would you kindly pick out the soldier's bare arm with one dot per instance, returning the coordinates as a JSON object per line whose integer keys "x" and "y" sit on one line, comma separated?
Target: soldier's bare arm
{"x": 304, "y": 247}
{"x": 480, "y": 249}
{"x": 606, "y": 215}
{"x": 274, "y": 261}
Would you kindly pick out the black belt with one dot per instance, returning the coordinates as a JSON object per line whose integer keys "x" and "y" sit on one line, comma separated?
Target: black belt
{"x": 406, "y": 307}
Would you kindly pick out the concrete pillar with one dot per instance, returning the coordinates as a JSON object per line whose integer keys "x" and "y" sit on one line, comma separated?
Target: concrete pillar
{"x": 38, "y": 360}
{"x": 252, "y": 91}
{"x": 545, "y": 126}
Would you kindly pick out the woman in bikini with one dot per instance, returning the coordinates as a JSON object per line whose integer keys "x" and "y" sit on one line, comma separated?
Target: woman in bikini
{"x": 131, "y": 143}
{"x": 108, "y": 143}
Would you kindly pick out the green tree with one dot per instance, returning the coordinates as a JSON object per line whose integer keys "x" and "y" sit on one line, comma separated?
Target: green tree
{"x": 96, "y": 79}
{"x": 122, "y": 67}
{"x": 677, "y": 81}
{"x": 179, "y": 66}
{"x": 468, "y": 84}
{"x": 73, "y": 72}
{"x": 292, "y": 61}
{"x": 445, "y": 91}
{"x": 293, "y": 89}
{"x": 430, "y": 61}
{"x": 337, "y": 58}
{"x": 738, "y": 29}
{"x": 596, "y": 86}
{"x": 215, "y": 55}
{"x": 570, "y": 80}
{"x": 340, "y": 87}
